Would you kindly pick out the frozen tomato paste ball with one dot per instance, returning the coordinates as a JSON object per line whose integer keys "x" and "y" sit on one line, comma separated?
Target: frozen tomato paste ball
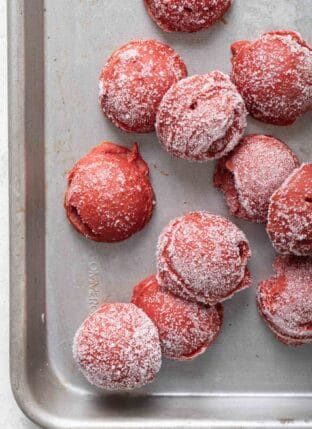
{"x": 109, "y": 196}
{"x": 285, "y": 300}
{"x": 290, "y": 214}
{"x": 274, "y": 76}
{"x": 201, "y": 117}
{"x": 135, "y": 79}
{"x": 186, "y": 329}
{"x": 186, "y": 15}
{"x": 250, "y": 174}
{"x": 203, "y": 257}
{"x": 117, "y": 348}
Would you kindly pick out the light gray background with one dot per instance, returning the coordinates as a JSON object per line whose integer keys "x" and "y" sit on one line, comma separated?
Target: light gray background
{"x": 10, "y": 415}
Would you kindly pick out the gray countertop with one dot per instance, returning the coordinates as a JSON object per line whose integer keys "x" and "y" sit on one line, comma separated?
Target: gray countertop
{"x": 10, "y": 415}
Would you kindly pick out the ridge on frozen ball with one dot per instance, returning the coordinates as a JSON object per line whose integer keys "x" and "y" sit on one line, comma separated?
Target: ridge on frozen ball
{"x": 285, "y": 300}
{"x": 290, "y": 214}
{"x": 117, "y": 348}
{"x": 201, "y": 117}
{"x": 109, "y": 196}
{"x": 203, "y": 257}
{"x": 186, "y": 329}
{"x": 186, "y": 15}
{"x": 250, "y": 174}
{"x": 134, "y": 80}
{"x": 274, "y": 76}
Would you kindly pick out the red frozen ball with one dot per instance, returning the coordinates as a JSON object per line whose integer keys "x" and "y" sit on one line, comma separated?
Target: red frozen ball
{"x": 186, "y": 329}
{"x": 109, "y": 196}
{"x": 135, "y": 79}
{"x": 274, "y": 76}
{"x": 186, "y": 15}
{"x": 203, "y": 257}
{"x": 285, "y": 300}
{"x": 250, "y": 174}
{"x": 201, "y": 117}
{"x": 117, "y": 348}
{"x": 290, "y": 214}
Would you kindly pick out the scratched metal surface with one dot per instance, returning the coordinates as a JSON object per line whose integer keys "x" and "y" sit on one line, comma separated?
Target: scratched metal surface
{"x": 247, "y": 379}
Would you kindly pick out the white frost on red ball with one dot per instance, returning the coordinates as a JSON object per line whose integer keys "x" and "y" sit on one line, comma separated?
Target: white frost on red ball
{"x": 274, "y": 76}
{"x": 186, "y": 329}
{"x": 290, "y": 214}
{"x": 285, "y": 300}
{"x": 201, "y": 117}
{"x": 117, "y": 348}
{"x": 250, "y": 174}
{"x": 186, "y": 15}
{"x": 134, "y": 80}
{"x": 203, "y": 257}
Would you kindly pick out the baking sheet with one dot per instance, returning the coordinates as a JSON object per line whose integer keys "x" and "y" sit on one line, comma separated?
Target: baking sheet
{"x": 247, "y": 379}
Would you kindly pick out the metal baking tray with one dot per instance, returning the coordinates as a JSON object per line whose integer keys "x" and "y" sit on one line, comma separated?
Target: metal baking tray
{"x": 247, "y": 379}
